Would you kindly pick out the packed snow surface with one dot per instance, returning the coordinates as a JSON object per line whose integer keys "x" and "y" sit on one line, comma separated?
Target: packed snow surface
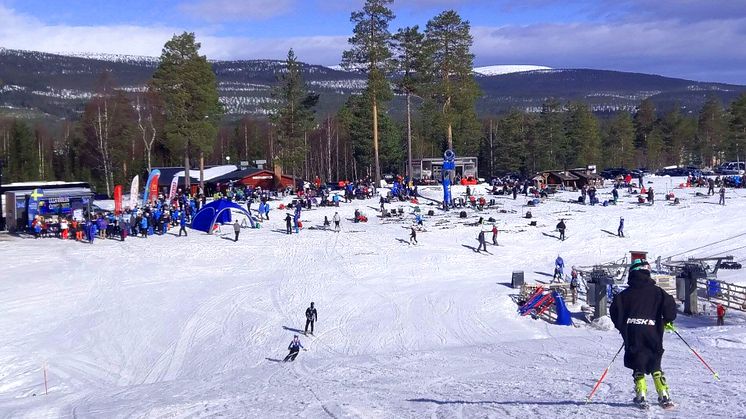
{"x": 196, "y": 326}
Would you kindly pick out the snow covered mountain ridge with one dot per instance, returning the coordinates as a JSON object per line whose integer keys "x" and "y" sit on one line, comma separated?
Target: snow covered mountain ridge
{"x": 494, "y": 70}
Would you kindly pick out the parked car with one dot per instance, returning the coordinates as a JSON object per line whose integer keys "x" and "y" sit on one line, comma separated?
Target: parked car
{"x": 731, "y": 168}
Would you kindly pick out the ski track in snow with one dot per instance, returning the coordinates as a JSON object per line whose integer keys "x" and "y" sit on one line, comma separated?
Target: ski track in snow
{"x": 190, "y": 327}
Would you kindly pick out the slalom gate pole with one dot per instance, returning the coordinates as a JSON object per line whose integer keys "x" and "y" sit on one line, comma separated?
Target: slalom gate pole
{"x": 598, "y": 383}
{"x": 714, "y": 374}
{"x": 46, "y": 388}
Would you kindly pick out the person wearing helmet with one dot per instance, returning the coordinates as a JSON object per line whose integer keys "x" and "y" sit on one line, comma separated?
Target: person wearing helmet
{"x": 294, "y": 347}
{"x": 641, "y": 313}
{"x": 311, "y": 317}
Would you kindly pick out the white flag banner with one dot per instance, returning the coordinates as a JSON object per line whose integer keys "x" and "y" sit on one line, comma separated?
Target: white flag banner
{"x": 133, "y": 191}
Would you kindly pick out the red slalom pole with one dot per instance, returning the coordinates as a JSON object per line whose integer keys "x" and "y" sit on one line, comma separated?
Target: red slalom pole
{"x": 714, "y": 374}
{"x": 598, "y": 383}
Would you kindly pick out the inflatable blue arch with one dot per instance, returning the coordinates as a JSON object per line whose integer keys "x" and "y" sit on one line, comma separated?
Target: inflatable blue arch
{"x": 217, "y": 212}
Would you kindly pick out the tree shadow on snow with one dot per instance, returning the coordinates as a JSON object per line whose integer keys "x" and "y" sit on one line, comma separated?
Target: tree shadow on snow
{"x": 291, "y": 329}
{"x": 520, "y": 402}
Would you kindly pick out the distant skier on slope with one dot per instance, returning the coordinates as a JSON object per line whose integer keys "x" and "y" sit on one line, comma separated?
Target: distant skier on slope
{"x": 336, "y": 220}
{"x": 294, "y": 347}
{"x": 412, "y": 235}
{"x": 641, "y": 313}
{"x": 494, "y": 234}
{"x": 482, "y": 242}
{"x": 620, "y": 230}
{"x": 311, "y": 317}
{"x": 561, "y": 228}
{"x": 559, "y": 269}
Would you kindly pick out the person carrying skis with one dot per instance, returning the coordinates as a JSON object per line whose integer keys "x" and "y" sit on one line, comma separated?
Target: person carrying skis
{"x": 412, "y": 235}
{"x": 494, "y": 234}
{"x": 336, "y": 220}
{"x": 288, "y": 226}
{"x": 294, "y": 347}
{"x": 561, "y": 228}
{"x": 620, "y": 230}
{"x": 311, "y": 317}
{"x": 721, "y": 315}
{"x": 641, "y": 313}
{"x": 482, "y": 242}
{"x": 559, "y": 269}
{"x": 236, "y": 230}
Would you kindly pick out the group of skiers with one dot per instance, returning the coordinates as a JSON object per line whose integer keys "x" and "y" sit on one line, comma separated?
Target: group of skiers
{"x": 295, "y": 345}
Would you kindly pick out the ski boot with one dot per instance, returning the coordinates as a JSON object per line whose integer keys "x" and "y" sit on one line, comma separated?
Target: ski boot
{"x": 641, "y": 389}
{"x": 664, "y": 398}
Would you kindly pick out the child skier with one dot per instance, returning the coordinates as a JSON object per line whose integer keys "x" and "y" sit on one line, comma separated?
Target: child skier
{"x": 559, "y": 269}
{"x": 336, "y": 219}
{"x": 412, "y": 235}
{"x": 641, "y": 313}
{"x": 561, "y": 228}
{"x": 294, "y": 347}
{"x": 494, "y": 235}
{"x": 721, "y": 315}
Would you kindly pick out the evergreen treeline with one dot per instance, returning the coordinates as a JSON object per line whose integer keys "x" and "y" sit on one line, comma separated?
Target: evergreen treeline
{"x": 177, "y": 120}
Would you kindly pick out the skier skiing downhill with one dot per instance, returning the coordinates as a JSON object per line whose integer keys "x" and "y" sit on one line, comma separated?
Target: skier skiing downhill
{"x": 561, "y": 228}
{"x": 620, "y": 230}
{"x": 559, "y": 269}
{"x": 412, "y": 235}
{"x": 641, "y": 313}
{"x": 482, "y": 242}
{"x": 294, "y": 347}
{"x": 311, "y": 317}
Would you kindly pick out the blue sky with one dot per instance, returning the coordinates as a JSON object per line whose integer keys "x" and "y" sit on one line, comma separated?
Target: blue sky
{"x": 696, "y": 39}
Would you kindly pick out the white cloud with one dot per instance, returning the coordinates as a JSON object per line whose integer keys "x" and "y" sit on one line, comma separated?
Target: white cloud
{"x": 228, "y": 10}
{"x": 25, "y": 32}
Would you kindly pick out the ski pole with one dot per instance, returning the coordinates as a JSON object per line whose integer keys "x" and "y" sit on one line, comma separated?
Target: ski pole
{"x": 714, "y": 374}
{"x": 598, "y": 383}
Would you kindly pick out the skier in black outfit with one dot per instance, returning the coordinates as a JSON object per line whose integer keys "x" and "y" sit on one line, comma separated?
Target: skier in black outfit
{"x": 641, "y": 313}
{"x": 311, "y": 316}
{"x": 620, "y": 230}
{"x": 561, "y": 228}
{"x": 288, "y": 226}
{"x": 482, "y": 242}
{"x": 294, "y": 347}
{"x": 413, "y": 235}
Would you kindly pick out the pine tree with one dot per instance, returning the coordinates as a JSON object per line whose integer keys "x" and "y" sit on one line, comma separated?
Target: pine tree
{"x": 737, "y": 128}
{"x": 620, "y": 141}
{"x": 408, "y": 47}
{"x": 188, "y": 87}
{"x": 512, "y": 135}
{"x": 293, "y": 116}
{"x": 452, "y": 86}
{"x": 551, "y": 143}
{"x": 21, "y": 161}
{"x": 584, "y": 135}
{"x": 644, "y": 122}
{"x": 711, "y": 132}
{"x": 370, "y": 52}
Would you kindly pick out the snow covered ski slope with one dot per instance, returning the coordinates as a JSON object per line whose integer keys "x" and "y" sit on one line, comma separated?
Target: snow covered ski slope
{"x": 196, "y": 327}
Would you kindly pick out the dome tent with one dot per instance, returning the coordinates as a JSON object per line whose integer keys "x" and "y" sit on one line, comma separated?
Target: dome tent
{"x": 218, "y": 211}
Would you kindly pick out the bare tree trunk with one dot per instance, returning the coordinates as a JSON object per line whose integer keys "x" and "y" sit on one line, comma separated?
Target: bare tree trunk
{"x": 375, "y": 142}
{"x": 409, "y": 136}
{"x": 201, "y": 173}
{"x": 336, "y": 150}
{"x": 305, "y": 149}
{"x": 187, "y": 179}
{"x": 492, "y": 159}
{"x": 101, "y": 127}
{"x": 328, "y": 148}
{"x": 246, "y": 141}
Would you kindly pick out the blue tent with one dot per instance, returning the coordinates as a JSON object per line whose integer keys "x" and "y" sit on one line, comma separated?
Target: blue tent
{"x": 563, "y": 314}
{"x": 217, "y": 212}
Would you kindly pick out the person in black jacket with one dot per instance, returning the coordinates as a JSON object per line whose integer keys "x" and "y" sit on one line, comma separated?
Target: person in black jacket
{"x": 288, "y": 226}
{"x": 311, "y": 316}
{"x": 641, "y": 313}
{"x": 561, "y": 228}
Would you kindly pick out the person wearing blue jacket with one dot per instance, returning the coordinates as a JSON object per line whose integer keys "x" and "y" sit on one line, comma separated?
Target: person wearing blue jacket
{"x": 144, "y": 226}
{"x": 294, "y": 347}
{"x": 620, "y": 230}
{"x": 559, "y": 267}
{"x": 182, "y": 223}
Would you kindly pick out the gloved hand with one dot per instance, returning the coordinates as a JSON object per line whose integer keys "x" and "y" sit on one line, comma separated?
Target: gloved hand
{"x": 669, "y": 327}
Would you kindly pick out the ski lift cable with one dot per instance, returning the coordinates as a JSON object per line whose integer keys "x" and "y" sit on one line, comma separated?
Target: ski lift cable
{"x": 727, "y": 251}
{"x": 707, "y": 245}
